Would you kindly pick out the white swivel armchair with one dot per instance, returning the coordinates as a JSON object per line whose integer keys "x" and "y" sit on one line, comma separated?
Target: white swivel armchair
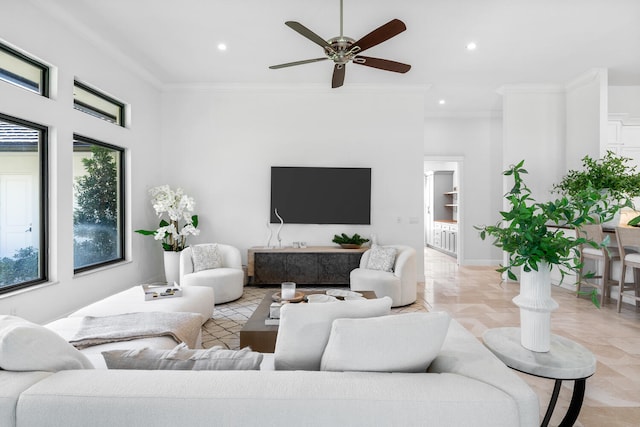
{"x": 217, "y": 266}
{"x": 400, "y": 283}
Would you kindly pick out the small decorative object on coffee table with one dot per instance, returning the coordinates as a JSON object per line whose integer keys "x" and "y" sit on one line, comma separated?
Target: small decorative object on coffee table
{"x": 566, "y": 360}
{"x": 288, "y": 291}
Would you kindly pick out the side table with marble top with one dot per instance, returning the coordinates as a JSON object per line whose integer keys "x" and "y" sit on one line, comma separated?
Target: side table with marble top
{"x": 566, "y": 360}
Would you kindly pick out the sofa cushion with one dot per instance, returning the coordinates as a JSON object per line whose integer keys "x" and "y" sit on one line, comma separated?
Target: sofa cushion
{"x": 205, "y": 257}
{"x": 12, "y": 385}
{"x": 182, "y": 358}
{"x": 396, "y": 343}
{"x": 304, "y": 329}
{"x": 25, "y": 346}
{"x": 382, "y": 258}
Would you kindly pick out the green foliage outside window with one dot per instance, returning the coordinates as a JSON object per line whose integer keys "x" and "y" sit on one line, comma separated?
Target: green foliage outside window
{"x": 23, "y": 267}
{"x": 96, "y": 213}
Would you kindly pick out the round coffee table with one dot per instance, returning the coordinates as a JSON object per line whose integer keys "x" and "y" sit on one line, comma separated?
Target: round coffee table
{"x": 566, "y": 360}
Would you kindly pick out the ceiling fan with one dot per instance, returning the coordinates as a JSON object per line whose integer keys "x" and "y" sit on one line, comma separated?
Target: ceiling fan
{"x": 342, "y": 50}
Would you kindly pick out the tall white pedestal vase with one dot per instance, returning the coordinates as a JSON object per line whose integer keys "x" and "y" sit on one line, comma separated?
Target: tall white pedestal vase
{"x": 172, "y": 266}
{"x": 536, "y": 305}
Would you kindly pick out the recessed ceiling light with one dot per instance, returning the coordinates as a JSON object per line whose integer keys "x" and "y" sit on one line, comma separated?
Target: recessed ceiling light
{"x": 472, "y": 46}
{"x": 442, "y": 102}
{"x": 222, "y": 47}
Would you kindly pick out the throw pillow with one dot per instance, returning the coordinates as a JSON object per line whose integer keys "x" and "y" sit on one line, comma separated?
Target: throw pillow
{"x": 395, "y": 343}
{"x": 382, "y": 258}
{"x": 25, "y": 346}
{"x": 182, "y": 358}
{"x": 304, "y": 329}
{"x": 205, "y": 257}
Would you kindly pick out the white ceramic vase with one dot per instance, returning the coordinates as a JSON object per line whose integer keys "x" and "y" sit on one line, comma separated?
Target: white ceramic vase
{"x": 172, "y": 266}
{"x": 536, "y": 305}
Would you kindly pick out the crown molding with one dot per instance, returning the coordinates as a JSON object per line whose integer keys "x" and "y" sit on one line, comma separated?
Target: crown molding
{"x": 93, "y": 38}
{"x": 481, "y": 114}
{"x": 297, "y": 88}
{"x": 624, "y": 118}
{"x": 586, "y": 78}
{"x": 530, "y": 88}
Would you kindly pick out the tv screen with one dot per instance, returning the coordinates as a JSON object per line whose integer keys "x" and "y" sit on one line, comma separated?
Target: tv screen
{"x": 320, "y": 195}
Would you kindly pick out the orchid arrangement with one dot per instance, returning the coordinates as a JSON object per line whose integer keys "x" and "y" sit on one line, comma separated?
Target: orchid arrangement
{"x": 178, "y": 207}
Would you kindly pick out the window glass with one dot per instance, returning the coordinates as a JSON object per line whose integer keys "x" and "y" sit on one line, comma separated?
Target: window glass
{"x": 22, "y": 203}
{"x": 18, "y": 69}
{"x": 92, "y": 102}
{"x": 98, "y": 210}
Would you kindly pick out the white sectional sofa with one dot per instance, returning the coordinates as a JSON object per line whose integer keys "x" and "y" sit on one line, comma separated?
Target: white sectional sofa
{"x": 195, "y": 299}
{"x": 465, "y": 385}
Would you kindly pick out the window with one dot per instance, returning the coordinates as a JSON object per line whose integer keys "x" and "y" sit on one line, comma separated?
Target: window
{"x": 98, "y": 204}
{"x": 20, "y": 70}
{"x": 94, "y": 103}
{"x": 23, "y": 206}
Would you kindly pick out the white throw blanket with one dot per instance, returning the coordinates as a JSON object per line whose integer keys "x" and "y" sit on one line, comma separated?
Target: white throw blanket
{"x": 182, "y": 327}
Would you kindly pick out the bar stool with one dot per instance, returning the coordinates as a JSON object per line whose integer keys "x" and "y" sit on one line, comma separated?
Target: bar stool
{"x": 602, "y": 258}
{"x": 629, "y": 247}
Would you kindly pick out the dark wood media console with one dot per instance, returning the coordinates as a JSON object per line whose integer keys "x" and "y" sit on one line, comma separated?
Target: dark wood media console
{"x": 314, "y": 265}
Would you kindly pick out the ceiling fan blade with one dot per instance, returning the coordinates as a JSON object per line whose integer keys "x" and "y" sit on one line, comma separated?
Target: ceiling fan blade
{"x": 291, "y": 64}
{"x": 338, "y": 75}
{"x": 380, "y": 34}
{"x": 383, "y": 64}
{"x": 301, "y": 29}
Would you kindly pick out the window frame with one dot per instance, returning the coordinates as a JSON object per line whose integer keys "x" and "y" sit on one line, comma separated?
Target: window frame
{"x": 43, "y": 198}
{"x": 98, "y": 112}
{"x": 44, "y": 89}
{"x": 122, "y": 204}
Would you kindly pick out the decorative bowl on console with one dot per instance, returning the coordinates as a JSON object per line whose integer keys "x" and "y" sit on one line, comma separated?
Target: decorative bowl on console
{"x": 349, "y": 246}
{"x": 346, "y": 242}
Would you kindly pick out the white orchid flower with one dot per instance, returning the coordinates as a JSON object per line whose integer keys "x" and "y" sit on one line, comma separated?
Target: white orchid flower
{"x": 178, "y": 207}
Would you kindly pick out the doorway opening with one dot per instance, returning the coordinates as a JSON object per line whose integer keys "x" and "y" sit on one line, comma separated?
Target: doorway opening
{"x": 443, "y": 203}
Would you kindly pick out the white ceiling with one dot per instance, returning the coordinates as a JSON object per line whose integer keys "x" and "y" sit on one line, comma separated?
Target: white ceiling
{"x": 519, "y": 42}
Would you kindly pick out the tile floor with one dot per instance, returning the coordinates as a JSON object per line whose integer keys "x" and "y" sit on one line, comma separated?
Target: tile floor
{"x": 477, "y": 298}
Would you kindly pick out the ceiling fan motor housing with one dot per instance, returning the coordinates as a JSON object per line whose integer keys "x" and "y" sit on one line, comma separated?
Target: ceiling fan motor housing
{"x": 342, "y": 51}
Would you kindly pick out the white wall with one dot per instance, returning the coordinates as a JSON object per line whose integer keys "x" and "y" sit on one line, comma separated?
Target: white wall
{"x": 221, "y": 143}
{"x": 624, "y": 100}
{"x": 586, "y": 116}
{"x": 72, "y": 55}
{"x": 477, "y": 139}
{"x": 534, "y": 130}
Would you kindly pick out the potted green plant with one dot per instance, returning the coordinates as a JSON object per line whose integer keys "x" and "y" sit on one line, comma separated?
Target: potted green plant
{"x": 346, "y": 242}
{"x": 612, "y": 175}
{"x": 532, "y": 235}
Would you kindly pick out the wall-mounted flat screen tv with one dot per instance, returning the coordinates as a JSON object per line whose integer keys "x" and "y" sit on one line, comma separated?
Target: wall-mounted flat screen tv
{"x": 321, "y": 195}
